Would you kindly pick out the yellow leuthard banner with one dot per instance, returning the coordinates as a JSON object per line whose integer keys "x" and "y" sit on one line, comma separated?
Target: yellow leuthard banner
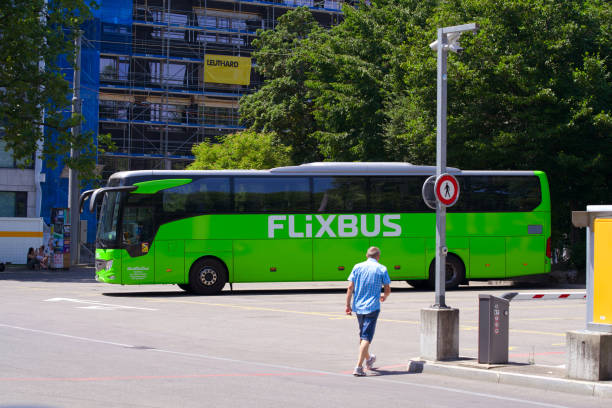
{"x": 224, "y": 69}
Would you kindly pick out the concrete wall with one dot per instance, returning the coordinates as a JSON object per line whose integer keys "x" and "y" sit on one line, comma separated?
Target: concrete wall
{"x": 20, "y": 180}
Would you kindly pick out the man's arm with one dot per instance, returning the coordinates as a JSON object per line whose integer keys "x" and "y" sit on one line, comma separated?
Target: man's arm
{"x": 386, "y": 294}
{"x": 349, "y": 296}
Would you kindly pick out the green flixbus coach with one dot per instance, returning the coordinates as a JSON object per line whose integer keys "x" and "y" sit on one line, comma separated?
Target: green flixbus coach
{"x": 313, "y": 222}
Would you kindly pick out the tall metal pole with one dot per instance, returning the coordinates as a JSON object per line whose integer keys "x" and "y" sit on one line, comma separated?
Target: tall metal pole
{"x": 73, "y": 175}
{"x": 440, "y": 299}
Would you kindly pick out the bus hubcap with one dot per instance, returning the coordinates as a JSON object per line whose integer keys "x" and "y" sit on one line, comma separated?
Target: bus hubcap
{"x": 208, "y": 276}
{"x": 450, "y": 272}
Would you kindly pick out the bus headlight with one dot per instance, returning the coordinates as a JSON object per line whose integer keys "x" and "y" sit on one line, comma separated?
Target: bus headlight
{"x": 103, "y": 265}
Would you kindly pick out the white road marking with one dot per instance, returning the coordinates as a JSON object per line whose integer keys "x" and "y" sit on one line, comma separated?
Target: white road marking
{"x": 95, "y": 305}
{"x": 284, "y": 367}
{"x": 111, "y": 343}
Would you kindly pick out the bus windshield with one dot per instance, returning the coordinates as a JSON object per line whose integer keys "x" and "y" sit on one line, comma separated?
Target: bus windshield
{"x": 106, "y": 236}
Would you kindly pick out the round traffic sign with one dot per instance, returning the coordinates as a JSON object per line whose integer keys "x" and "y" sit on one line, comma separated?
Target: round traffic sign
{"x": 447, "y": 189}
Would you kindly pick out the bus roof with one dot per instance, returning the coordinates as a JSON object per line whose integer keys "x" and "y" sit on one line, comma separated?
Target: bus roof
{"x": 312, "y": 169}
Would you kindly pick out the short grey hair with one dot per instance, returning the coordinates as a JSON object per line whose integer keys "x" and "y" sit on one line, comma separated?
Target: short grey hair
{"x": 373, "y": 252}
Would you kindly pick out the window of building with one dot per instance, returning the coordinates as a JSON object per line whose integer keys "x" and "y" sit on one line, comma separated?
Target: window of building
{"x": 114, "y": 68}
{"x": 239, "y": 24}
{"x": 113, "y": 109}
{"x": 213, "y": 115}
{"x": 175, "y": 18}
{"x": 164, "y": 33}
{"x": 8, "y": 161}
{"x": 171, "y": 74}
{"x": 13, "y": 204}
{"x": 238, "y": 40}
{"x": 223, "y": 22}
{"x": 163, "y": 113}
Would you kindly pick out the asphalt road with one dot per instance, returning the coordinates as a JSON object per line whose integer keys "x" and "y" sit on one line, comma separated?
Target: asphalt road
{"x": 68, "y": 341}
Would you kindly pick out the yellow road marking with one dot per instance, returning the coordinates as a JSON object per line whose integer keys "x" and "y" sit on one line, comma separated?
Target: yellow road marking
{"x": 527, "y": 319}
{"x": 270, "y": 309}
{"x": 332, "y": 315}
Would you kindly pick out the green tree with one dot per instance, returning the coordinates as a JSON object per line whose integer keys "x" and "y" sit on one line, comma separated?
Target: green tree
{"x": 533, "y": 91}
{"x": 243, "y": 150}
{"x": 33, "y": 38}
{"x": 282, "y": 104}
{"x": 355, "y": 71}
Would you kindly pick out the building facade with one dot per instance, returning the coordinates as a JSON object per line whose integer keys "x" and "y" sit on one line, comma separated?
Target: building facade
{"x": 171, "y": 73}
{"x": 159, "y": 76}
{"x": 20, "y": 194}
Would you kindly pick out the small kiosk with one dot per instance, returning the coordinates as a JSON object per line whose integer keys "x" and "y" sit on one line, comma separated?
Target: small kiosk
{"x": 590, "y": 350}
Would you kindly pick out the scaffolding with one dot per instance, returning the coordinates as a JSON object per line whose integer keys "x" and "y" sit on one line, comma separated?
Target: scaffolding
{"x": 153, "y": 99}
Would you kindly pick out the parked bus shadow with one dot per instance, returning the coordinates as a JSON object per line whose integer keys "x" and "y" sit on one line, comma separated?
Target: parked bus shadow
{"x": 478, "y": 287}
{"x": 313, "y": 291}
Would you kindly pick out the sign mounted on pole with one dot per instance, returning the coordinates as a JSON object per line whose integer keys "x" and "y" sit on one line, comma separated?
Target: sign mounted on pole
{"x": 447, "y": 190}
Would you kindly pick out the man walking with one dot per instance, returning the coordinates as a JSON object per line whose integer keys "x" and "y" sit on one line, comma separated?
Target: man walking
{"x": 366, "y": 280}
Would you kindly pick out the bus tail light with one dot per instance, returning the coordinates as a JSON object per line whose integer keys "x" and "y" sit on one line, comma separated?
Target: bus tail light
{"x": 548, "y": 248}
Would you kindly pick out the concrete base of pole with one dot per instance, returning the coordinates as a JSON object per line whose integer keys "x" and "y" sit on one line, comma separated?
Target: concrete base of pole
{"x": 589, "y": 355}
{"x": 439, "y": 334}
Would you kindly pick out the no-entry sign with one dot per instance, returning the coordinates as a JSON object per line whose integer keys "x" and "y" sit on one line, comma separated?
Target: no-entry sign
{"x": 447, "y": 190}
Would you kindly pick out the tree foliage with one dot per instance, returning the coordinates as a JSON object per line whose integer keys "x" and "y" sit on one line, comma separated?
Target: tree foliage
{"x": 34, "y": 36}
{"x": 282, "y": 105}
{"x": 243, "y": 150}
{"x": 532, "y": 90}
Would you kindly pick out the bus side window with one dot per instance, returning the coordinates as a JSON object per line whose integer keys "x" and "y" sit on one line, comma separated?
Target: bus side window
{"x": 272, "y": 194}
{"x": 340, "y": 194}
{"x": 202, "y": 196}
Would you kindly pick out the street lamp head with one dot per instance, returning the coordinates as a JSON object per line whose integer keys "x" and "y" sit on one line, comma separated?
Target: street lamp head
{"x": 452, "y": 43}
{"x": 456, "y": 48}
{"x": 452, "y": 37}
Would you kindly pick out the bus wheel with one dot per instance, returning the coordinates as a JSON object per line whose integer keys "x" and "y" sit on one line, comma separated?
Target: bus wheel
{"x": 455, "y": 272}
{"x": 207, "y": 276}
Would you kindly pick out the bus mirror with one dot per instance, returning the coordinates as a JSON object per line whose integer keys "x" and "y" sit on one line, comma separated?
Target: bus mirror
{"x": 84, "y": 197}
{"x": 95, "y": 196}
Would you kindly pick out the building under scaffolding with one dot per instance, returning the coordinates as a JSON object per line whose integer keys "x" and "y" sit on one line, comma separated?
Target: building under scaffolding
{"x": 162, "y": 75}
{"x": 156, "y": 99}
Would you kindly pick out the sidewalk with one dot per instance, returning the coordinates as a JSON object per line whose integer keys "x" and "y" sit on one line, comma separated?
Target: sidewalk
{"x": 552, "y": 378}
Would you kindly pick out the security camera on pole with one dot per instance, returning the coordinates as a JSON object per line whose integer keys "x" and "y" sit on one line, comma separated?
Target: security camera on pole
{"x": 439, "y": 323}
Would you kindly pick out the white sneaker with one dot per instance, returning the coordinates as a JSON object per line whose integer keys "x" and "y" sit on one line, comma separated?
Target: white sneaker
{"x": 358, "y": 372}
{"x": 370, "y": 361}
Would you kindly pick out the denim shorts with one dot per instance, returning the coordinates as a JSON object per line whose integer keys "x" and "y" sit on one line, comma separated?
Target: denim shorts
{"x": 367, "y": 325}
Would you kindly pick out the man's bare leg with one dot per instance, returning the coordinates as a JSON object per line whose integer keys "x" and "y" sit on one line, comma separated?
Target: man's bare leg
{"x": 364, "y": 352}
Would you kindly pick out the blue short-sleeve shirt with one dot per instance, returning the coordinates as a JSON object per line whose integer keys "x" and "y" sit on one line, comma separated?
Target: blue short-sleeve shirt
{"x": 368, "y": 278}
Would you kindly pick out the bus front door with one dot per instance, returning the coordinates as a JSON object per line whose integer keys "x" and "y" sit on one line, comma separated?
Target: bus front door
{"x": 138, "y": 256}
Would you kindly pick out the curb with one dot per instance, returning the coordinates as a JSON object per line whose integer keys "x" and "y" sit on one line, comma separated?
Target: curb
{"x": 566, "y": 385}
